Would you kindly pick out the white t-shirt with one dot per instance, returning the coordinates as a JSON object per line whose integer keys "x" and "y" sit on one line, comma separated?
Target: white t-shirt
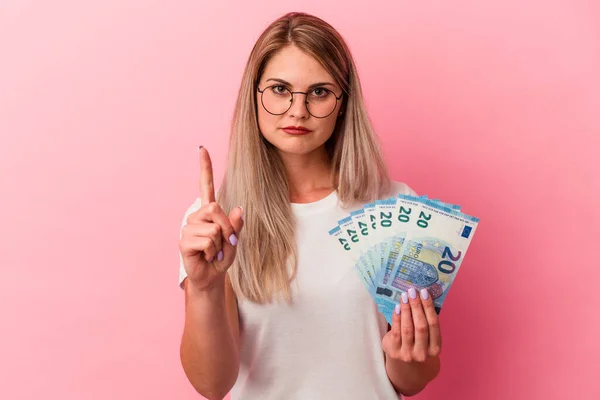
{"x": 327, "y": 345}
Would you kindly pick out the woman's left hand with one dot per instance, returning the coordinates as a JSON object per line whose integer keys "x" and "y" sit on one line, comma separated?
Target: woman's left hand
{"x": 415, "y": 335}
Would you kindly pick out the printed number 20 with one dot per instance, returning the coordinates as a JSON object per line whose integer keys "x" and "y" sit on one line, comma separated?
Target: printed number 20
{"x": 344, "y": 242}
{"x": 385, "y": 219}
{"x": 423, "y": 222}
{"x": 445, "y": 266}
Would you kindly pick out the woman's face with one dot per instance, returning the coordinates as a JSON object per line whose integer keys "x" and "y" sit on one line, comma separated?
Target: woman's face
{"x": 292, "y": 69}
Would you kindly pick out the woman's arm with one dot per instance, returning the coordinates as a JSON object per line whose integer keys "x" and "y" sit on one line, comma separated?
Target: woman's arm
{"x": 410, "y": 378}
{"x": 211, "y": 340}
{"x": 412, "y": 346}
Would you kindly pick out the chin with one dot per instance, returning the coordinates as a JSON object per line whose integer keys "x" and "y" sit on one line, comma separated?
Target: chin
{"x": 298, "y": 150}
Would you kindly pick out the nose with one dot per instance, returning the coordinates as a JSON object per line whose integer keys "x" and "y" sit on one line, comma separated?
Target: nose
{"x": 298, "y": 108}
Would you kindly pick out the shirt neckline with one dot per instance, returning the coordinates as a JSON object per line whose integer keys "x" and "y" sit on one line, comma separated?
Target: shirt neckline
{"x": 314, "y": 207}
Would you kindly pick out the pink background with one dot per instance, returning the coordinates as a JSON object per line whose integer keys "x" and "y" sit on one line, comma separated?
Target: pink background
{"x": 493, "y": 105}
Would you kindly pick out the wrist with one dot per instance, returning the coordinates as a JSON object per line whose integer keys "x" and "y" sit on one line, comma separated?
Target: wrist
{"x": 212, "y": 292}
{"x": 409, "y": 378}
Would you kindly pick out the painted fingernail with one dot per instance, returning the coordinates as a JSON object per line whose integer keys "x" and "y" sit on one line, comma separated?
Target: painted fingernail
{"x": 424, "y": 294}
{"x": 412, "y": 293}
{"x": 233, "y": 239}
{"x": 397, "y": 309}
{"x": 211, "y": 259}
{"x": 220, "y": 256}
{"x": 404, "y": 297}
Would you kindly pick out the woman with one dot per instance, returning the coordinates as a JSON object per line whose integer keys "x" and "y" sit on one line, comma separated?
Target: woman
{"x": 275, "y": 312}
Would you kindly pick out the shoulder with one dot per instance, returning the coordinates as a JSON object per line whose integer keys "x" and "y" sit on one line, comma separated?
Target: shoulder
{"x": 401, "y": 188}
{"x": 195, "y": 206}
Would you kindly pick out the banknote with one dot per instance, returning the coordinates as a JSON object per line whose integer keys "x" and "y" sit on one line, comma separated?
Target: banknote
{"x": 337, "y": 234}
{"x": 406, "y": 241}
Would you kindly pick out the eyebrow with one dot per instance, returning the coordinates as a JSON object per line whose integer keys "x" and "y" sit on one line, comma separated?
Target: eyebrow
{"x": 310, "y": 87}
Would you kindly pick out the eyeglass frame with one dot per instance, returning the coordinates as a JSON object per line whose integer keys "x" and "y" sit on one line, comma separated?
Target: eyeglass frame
{"x": 292, "y": 101}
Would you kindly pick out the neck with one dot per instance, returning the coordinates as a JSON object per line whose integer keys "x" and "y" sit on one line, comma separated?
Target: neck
{"x": 308, "y": 175}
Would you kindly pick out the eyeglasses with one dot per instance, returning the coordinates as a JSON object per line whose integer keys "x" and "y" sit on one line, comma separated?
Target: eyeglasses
{"x": 277, "y": 100}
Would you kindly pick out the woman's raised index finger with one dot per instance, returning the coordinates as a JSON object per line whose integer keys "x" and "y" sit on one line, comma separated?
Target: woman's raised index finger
{"x": 207, "y": 188}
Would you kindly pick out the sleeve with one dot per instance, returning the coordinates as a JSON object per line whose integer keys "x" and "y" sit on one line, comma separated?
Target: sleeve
{"x": 191, "y": 209}
{"x": 402, "y": 188}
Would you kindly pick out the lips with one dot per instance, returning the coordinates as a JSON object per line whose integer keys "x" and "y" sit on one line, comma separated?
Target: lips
{"x": 296, "y": 130}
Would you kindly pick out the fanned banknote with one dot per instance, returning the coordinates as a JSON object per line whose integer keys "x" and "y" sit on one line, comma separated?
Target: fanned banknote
{"x": 403, "y": 242}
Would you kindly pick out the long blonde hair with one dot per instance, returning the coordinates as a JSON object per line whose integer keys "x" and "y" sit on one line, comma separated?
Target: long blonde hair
{"x": 255, "y": 179}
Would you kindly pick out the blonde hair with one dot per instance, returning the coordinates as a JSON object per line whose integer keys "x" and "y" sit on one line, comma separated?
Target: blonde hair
{"x": 255, "y": 179}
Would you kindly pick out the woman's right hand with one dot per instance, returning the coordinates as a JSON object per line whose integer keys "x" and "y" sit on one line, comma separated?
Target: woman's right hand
{"x": 209, "y": 238}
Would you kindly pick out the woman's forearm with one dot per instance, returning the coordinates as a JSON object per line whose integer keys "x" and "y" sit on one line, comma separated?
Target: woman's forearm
{"x": 209, "y": 353}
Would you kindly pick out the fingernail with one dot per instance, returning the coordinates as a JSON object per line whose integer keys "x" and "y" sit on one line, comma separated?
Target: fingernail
{"x": 397, "y": 309}
{"x": 404, "y": 297}
{"x": 424, "y": 294}
{"x": 412, "y": 293}
{"x": 242, "y": 214}
{"x": 199, "y": 147}
{"x": 211, "y": 259}
{"x": 233, "y": 239}
{"x": 220, "y": 256}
